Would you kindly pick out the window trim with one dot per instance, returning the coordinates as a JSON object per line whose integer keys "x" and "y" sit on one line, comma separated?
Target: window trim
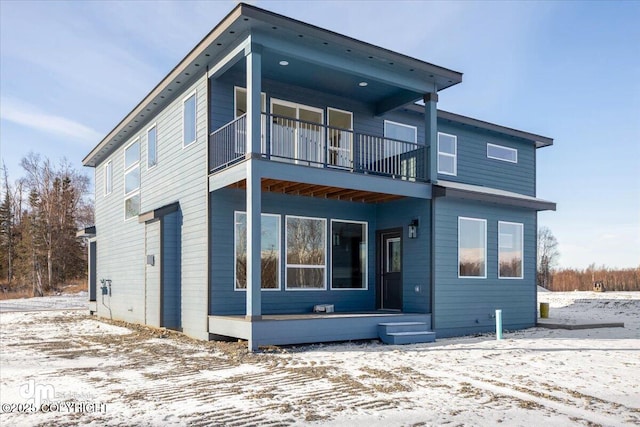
{"x": 514, "y": 150}
{"x": 366, "y": 260}
{"x": 521, "y": 250}
{"x": 108, "y": 178}
{"x": 154, "y": 125}
{"x": 485, "y": 247}
{"x": 455, "y": 155}
{"x": 415, "y": 131}
{"x": 263, "y": 100}
{"x": 235, "y": 277}
{"x": 286, "y": 250}
{"x": 193, "y": 93}
{"x": 126, "y": 170}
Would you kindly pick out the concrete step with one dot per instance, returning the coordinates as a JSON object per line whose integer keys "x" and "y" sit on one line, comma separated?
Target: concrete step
{"x": 408, "y": 337}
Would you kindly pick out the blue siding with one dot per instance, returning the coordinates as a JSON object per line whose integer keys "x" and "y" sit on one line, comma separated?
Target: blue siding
{"x": 171, "y": 271}
{"x": 364, "y": 121}
{"x": 416, "y": 253}
{"x": 224, "y": 300}
{"x": 474, "y": 167}
{"x": 464, "y": 306}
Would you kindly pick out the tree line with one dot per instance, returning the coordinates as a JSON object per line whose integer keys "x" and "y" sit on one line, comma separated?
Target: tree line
{"x": 572, "y": 279}
{"x": 39, "y": 216}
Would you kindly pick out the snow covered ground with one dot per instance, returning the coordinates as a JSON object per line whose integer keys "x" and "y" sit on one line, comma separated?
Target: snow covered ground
{"x": 78, "y": 370}
{"x": 57, "y": 302}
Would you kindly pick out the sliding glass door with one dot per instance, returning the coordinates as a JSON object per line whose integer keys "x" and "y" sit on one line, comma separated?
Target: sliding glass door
{"x": 297, "y": 133}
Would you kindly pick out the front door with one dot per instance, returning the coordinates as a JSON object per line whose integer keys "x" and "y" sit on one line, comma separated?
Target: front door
{"x": 391, "y": 271}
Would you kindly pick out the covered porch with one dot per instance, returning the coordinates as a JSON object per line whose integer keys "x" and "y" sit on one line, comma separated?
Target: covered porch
{"x": 310, "y": 327}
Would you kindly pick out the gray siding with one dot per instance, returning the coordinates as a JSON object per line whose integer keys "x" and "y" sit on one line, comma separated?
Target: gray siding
{"x": 474, "y": 167}
{"x": 225, "y": 300}
{"x": 180, "y": 175}
{"x": 464, "y": 306}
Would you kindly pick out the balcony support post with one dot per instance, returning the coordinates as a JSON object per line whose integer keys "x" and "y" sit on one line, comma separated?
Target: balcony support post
{"x": 253, "y": 55}
{"x": 431, "y": 136}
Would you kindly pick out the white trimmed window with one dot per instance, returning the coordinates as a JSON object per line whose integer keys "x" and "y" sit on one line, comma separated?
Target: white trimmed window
{"x": 348, "y": 254}
{"x": 152, "y": 146}
{"x": 447, "y": 154}
{"x": 510, "y": 248}
{"x": 499, "y": 152}
{"x": 189, "y": 120}
{"x": 306, "y": 262}
{"x": 108, "y": 178}
{"x": 270, "y": 251}
{"x": 472, "y": 248}
{"x": 400, "y": 131}
{"x": 132, "y": 180}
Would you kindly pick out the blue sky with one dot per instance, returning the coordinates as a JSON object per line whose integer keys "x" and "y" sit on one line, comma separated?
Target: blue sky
{"x": 70, "y": 71}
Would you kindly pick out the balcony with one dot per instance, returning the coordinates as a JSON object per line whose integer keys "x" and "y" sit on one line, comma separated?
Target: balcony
{"x": 289, "y": 140}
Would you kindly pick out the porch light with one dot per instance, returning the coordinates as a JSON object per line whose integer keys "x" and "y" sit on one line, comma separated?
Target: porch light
{"x": 363, "y": 84}
{"x": 284, "y": 63}
{"x": 413, "y": 228}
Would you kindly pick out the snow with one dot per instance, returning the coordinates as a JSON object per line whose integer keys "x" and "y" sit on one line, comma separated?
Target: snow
{"x": 135, "y": 375}
{"x": 57, "y": 302}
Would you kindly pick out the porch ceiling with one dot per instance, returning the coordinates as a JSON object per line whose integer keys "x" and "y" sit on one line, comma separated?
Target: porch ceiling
{"x": 321, "y": 191}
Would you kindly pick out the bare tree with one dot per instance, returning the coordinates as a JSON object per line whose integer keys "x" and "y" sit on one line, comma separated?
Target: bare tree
{"x": 57, "y": 194}
{"x": 548, "y": 255}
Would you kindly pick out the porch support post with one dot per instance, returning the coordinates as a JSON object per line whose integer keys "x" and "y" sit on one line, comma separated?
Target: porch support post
{"x": 253, "y": 192}
{"x": 253, "y": 55}
{"x": 431, "y": 135}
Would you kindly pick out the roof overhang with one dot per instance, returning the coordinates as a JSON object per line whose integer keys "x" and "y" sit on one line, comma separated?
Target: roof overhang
{"x": 284, "y": 36}
{"x": 490, "y": 195}
{"x": 158, "y": 213}
{"x": 87, "y": 232}
{"x": 539, "y": 140}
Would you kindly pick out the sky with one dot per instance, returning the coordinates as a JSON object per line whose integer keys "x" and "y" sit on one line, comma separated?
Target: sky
{"x": 70, "y": 71}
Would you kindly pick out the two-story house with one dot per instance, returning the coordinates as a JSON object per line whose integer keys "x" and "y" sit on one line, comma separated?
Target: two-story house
{"x": 281, "y": 168}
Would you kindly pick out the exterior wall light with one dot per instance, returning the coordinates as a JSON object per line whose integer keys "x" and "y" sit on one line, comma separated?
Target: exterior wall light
{"x": 413, "y": 228}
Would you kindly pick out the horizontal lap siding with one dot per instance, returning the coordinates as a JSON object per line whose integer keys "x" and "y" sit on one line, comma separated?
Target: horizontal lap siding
{"x": 415, "y": 252}
{"x": 364, "y": 120}
{"x": 181, "y": 176}
{"x": 465, "y": 306}
{"x": 474, "y": 167}
{"x": 224, "y": 300}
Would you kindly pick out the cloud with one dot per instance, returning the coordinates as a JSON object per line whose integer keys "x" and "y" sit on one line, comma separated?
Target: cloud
{"x": 26, "y": 115}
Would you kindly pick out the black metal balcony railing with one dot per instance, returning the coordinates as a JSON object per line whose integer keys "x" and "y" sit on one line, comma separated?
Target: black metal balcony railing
{"x": 312, "y": 144}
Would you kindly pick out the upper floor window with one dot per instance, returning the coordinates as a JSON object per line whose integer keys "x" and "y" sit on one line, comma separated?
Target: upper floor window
{"x": 108, "y": 178}
{"x": 510, "y": 239}
{"x": 189, "y": 120}
{"x": 132, "y": 180}
{"x": 152, "y": 146}
{"x": 499, "y": 152}
{"x": 472, "y": 248}
{"x": 400, "y": 131}
{"x": 447, "y": 154}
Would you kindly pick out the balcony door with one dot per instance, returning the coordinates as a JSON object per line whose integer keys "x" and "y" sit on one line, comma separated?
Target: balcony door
{"x": 297, "y": 133}
{"x": 340, "y": 137}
